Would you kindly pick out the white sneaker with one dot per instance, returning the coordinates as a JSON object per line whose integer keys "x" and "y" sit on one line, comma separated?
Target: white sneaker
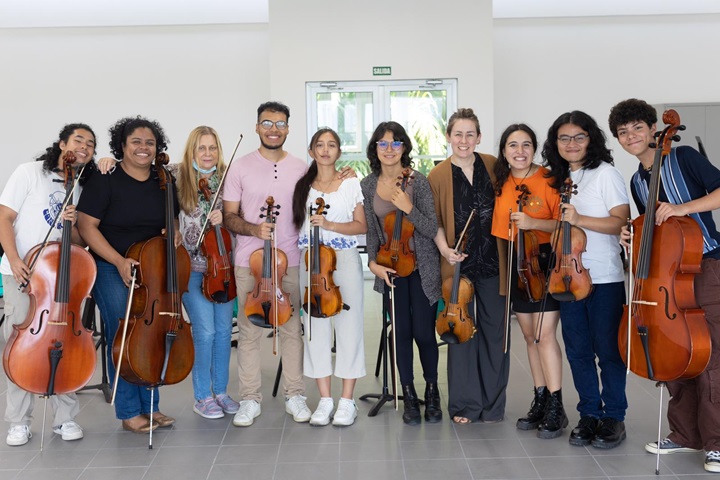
{"x": 247, "y": 413}
{"x": 69, "y": 431}
{"x": 18, "y": 435}
{"x": 346, "y": 413}
{"x": 297, "y": 407}
{"x": 321, "y": 415}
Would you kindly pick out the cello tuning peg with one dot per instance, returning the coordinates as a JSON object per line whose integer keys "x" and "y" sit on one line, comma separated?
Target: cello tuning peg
{"x": 681, "y": 127}
{"x": 676, "y": 138}
{"x": 653, "y": 144}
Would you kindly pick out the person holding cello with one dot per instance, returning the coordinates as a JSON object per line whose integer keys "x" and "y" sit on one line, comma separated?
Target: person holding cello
{"x": 576, "y": 147}
{"x": 338, "y": 228}
{"x": 211, "y": 321}
{"x": 515, "y": 174}
{"x": 478, "y": 369}
{"x": 29, "y": 204}
{"x": 417, "y": 294}
{"x": 117, "y": 211}
{"x": 693, "y": 415}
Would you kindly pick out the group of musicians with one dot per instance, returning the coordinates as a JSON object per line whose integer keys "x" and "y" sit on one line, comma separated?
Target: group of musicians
{"x": 467, "y": 219}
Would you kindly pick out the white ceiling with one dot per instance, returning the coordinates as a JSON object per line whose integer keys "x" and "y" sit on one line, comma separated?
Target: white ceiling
{"x": 100, "y": 13}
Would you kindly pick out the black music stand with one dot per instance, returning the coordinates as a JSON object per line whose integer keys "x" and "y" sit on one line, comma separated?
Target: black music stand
{"x": 89, "y": 321}
{"x": 385, "y": 342}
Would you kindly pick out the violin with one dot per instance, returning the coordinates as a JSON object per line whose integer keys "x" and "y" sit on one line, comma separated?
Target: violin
{"x": 267, "y": 305}
{"x": 569, "y": 281}
{"x": 531, "y": 278}
{"x": 454, "y": 323}
{"x": 51, "y": 352}
{"x": 218, "y": 283}
{"x": 396, "y": 253}
{"x": 324, "y": 295}
{"x": 158, "y": 348}
{"x": 663, "y": 322}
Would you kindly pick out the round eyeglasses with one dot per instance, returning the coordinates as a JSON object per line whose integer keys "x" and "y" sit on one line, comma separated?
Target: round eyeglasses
{"x": 383, "y": 145}
{"x": 268, "y": 124}
{"x": 580, "y": 138}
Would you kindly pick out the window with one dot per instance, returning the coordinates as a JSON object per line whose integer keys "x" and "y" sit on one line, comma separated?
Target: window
{"x": 354, "y": 109}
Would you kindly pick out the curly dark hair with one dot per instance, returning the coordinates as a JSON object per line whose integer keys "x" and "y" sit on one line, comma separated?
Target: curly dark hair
{"x": 597, "y": 151}
{"x": 273, "y": 107}
{"x": 302, "y": 187}
{"x": 51, "y": 157}
{"x": 124, "y": 127}
{"x": 399, "y": 134}
{"x": 502, "y": 167}
{"x": 631, "y": 110}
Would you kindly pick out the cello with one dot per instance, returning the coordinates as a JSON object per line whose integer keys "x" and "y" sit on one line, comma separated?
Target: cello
{"x": 531, "y": 278}
{"x": 218, "y": 283}
{"x": 267, "y": 305}
{"x": 569, "y": 281}
{"x": 396, "y": 253}
{"x": 454, "y": 323}
{"x": 322, "y": 298}
{"x": 663, "y": 321}
{"x": 51, "y": 352}
{"x": 158, "y": 347}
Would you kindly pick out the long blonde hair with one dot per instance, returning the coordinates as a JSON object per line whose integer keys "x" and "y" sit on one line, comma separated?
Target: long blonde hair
{"x": 188, "y": 182}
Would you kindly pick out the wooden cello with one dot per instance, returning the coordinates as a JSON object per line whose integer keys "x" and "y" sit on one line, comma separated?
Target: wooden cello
{"x": 51, "y": 352}
{"x": 663, "y": 335}
{"x": 454, "y": 323}
{"x": 218, "y": 283}
{"x": 396, "y": 253}
{"x": 158, "y": 348}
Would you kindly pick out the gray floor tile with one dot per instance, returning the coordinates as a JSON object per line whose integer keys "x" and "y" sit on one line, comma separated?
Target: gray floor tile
{"x": 567, "y": 467}
{"x": 435, "y": 469}
{"x": 375, "y": 470}
{"x": 113, "y": 473}
{"x": 255, "y": 472}
{"x": 247, "y": 454}
{"x": 502, "y": 468}
{"x": 177, "y": 472}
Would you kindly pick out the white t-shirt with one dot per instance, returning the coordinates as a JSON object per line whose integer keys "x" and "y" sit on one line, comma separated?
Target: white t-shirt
{"x": 600, "y": 190}
{"x": 342, "y": 203}
{"x": 37, "y": 199}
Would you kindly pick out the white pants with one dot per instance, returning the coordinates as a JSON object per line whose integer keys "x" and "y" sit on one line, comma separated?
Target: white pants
{"x": 350, "y": 347}
{"x": 19, "y": 402}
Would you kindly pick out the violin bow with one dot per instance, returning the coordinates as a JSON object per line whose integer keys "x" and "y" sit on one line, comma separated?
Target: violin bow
{"x": 511, "y": 247}
{"x": 309, "y": 277}
{"x": 217, "y": 194}
{"x": 276, "y": 289}
{"x": 133, "y": 272}
{"x": 394, "y": 337}
{"x": 551, "y": 263}
{"x": 630, "y": 290}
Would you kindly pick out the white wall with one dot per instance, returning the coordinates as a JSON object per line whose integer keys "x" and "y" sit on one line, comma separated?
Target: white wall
{"x": 327, "y": 40}
{"x": 181, "y": 76}
{"x": 546, "y": 67}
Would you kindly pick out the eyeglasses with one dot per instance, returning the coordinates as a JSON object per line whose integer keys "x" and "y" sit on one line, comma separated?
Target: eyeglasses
{"x": 580, "y": 138}
{"x": 268, "y": 124}
{"x": 383, "y": 145}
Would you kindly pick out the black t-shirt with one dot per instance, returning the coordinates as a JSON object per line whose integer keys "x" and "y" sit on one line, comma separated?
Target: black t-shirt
{"x": 129, "y": 210}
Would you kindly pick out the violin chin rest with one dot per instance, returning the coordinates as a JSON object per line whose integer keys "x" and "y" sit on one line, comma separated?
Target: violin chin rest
{"x": 259, "y": 321}
{"x": 449, "y": 337}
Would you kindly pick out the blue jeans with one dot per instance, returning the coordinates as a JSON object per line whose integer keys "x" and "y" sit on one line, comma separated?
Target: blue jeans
{"x": 211, "y": 331}
{"x": 110, "y": 295}
{"x": 590, "y": 331}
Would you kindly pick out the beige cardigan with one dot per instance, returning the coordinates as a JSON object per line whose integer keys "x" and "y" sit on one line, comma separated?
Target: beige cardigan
{"x": 440, "y": 179}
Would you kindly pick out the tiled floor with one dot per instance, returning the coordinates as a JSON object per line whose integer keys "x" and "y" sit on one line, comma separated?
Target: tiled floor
{"x": 375, "y": 448}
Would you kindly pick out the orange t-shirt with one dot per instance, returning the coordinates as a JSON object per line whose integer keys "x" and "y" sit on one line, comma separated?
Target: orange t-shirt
{"x": 543, "y": 202}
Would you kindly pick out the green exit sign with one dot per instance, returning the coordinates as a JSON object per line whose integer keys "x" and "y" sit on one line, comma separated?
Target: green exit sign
{"x": 382, "y": 71}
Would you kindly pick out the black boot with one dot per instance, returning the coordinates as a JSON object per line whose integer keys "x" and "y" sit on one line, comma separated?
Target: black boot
{"x": 433, "y": 413}
{"x": 411, "y": 415}
{"x": 537, "y": 410}
{"x": 555, "y": 419}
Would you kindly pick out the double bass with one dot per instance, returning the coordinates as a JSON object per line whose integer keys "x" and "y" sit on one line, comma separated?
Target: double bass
{"x": 322, "y": 297}
{"x": 396, "y": 253}
{"x": 569, "y": 280}
{"x": 51, "y": 352}
{"x": 663, "y": 334}
{"x": 218, "y": 284}
{"x": 454, "y": 323}
{"x": 158, "y": 347}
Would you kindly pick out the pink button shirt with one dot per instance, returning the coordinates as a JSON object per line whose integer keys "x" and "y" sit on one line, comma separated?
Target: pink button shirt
{"x": 250, "y": 181}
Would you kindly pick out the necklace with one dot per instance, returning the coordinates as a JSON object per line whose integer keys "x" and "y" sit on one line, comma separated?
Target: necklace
{"x": 517, "y": 185}
{"x": 324, "y": 186}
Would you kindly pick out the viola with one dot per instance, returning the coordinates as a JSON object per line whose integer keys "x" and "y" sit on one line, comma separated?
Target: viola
{"x": 158, "y": 347}
{"x": 454, "y": 323}
{"x": 267, "y": 305}
{"x": 218, "y": 283}
{"x": 664, "y": 327}
{"x": 51, "y": 352}
{"x": 531, "y": 278}
{"x": 396, "y": 253}
{"x": 569, "y": 281}
{"x": 324, "y": 295}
